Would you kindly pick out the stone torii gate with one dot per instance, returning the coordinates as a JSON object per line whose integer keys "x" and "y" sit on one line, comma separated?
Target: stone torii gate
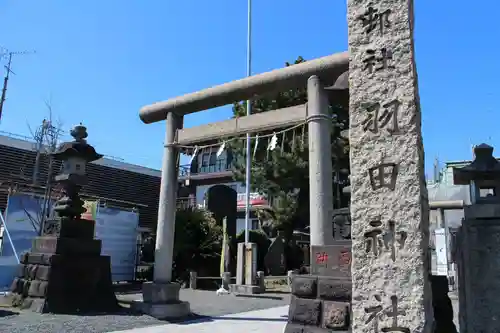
{"x": 314, "y": 75}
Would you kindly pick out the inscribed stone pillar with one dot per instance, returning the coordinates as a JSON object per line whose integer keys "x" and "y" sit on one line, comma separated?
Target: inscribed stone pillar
{"x": 250, "y": 263}
{"x": 240, "y": 264}
{"x": 389, "y": 205}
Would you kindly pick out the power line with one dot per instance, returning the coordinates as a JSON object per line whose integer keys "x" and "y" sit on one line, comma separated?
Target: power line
{"x": 8, "y": 68}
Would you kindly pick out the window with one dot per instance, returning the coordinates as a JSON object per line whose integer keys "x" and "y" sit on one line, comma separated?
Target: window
{"x": 213, "y": 159}
{"x": 66, "y": 166}
{"x": 255, "y": 224}
{"x": 487, "y": 192}
{"x": 77, "y": 167}
{"x": 205, "y": 159}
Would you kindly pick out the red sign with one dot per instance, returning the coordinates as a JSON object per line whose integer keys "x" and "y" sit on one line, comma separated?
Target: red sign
{"x": 255, "y": 200}
{"x": 321, "y": 257}
{"x": 345, "y": 257}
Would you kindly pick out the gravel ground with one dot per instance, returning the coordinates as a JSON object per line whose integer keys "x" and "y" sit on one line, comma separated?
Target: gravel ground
{"x": 203, "y": 303}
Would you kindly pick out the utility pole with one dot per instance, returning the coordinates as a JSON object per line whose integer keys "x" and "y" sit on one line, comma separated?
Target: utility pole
{"x": 436, "y": 170}
{"x": 7, "y": 75}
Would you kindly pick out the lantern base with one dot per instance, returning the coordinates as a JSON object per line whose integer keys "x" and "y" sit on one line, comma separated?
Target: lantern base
{"x": 65, "y": 274}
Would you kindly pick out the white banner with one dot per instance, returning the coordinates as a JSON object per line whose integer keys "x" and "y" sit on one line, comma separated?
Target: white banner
{"x": 441, "y": 254}
{"x": 22, "y": 220}
{"x": 117, "y": 229}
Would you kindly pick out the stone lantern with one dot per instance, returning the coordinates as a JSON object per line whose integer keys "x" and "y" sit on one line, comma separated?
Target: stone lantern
{"x": 477, "y": 243}
{"x": 64, "y": 272}
{"x": 74, "y": 156}
{"x": 482, "y": 175}
{"x": 338, "y": 93}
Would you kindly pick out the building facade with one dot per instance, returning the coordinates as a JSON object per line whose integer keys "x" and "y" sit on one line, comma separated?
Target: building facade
{"x": 114, "y": 183}
{"x": 207, "y": 170}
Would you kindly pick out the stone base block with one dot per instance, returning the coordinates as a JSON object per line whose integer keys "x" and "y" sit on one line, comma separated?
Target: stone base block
{"x": 68, "y": 284}
{"x": 153, "y": 292}
{"x": 297, "y": 328}
{"x": 174, "y": 310}
{"x": 245, "y": 289}
{"x": 161, "y": 301}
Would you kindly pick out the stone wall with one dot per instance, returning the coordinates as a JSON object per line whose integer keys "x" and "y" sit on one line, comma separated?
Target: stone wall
{"x": 319, "y": 304}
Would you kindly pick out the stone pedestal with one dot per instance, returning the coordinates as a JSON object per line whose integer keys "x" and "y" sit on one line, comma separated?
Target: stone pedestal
{"x": 161, "y": 300}
{"x": 65, "y": 272}
{"x": 478, "y": 269}
{"x": 319, "y": 304}
{"x": 478, "y": 243}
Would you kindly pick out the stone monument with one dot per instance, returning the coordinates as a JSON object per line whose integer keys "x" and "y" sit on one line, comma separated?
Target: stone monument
{"x": 246, "y": 271}
{"x": 274, "y": 260}
{"x": 64, "y": 272}
{"x": 222, "y": 202}
{"x": 389, "y": 204}
{"x": 478, "y": 243}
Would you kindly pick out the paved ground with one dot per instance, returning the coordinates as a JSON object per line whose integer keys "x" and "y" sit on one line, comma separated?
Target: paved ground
{"x": 213, "y": 313}
{"x": 203, "y": 303}
{"x": 259, "y": 321}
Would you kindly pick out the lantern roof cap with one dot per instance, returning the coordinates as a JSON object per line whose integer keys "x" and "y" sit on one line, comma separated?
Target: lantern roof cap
{"x": 484, "y": 167}
{"x": 79, "y": 148}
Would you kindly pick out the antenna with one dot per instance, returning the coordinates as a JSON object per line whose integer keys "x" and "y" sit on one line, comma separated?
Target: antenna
{"x": 8, "y": 67}
{"x": 436, "y": 170}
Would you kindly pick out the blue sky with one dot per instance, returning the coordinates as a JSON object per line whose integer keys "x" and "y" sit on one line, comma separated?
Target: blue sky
{"x": 98, "y": 62}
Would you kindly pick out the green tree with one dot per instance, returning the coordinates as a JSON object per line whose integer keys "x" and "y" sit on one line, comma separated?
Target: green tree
{"x": 197, "y": 243}
{"x": 282, "y": 174}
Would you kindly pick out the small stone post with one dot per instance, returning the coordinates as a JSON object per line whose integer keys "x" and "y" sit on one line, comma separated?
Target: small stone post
{"x": 290, "y": 276}
{"x": 261, "y": 281}
{"x": 389, "y": 204}
{"x": 193, "y": 279}
{"x": 226, "y": 280}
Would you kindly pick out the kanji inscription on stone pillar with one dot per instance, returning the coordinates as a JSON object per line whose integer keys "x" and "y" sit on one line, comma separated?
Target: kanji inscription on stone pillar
{"x": 389, "y": 204}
